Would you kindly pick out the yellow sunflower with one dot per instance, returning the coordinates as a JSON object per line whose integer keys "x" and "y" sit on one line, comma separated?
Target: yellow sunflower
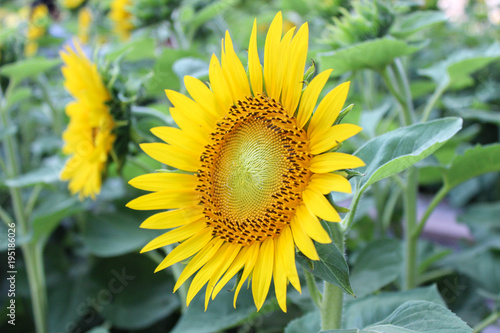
{"x": 122, "y": 18}
{"x": 37, "y": 27}
{"x": 71, "y": 4}
{"x": 254, "y": 166}
{"x": 84, "y": 22}
{"x": 88, "y": 138}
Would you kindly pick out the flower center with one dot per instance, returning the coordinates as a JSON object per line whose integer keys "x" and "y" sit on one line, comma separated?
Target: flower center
{"x": 254, "y": 171}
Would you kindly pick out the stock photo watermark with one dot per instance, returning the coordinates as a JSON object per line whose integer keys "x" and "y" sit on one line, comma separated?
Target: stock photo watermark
{"x": 11, "y": 273}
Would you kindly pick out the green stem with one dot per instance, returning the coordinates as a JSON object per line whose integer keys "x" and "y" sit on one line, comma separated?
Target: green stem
{"x": 403, "y": 78}
{"x": 389, "y": 207}
{"x": 331, "y": 307}
{"x": 435, "y": 201}
{"x": 4, "y": 216}
{"x": 410, "y": 244}
{"x": 390, "y": 82}
{"x": 32, "y": 200}
{"x": 35, "y": 280}
{"x": 434, "y": 275}
{"x": 440, "y": 89}
{"x": 313, "y": 288}
{"x": 56, "y": 115}
{"x": 491, "y": 319}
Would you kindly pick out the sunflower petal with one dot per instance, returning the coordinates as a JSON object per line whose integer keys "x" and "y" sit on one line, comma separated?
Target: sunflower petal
{"x": 176, "y": 235}
{"x": 233, "y": 70}
{"x": 238, "y": 263}
{"x": 334, "y": 161}
{"x": 179, "y": 138}
{"x": 164, "y": 200}
{"x": 332, "y": 137}
{"x": 263, "y": 272}
{"x": 286, "y": 251}
{"x": 303, "y": 242}
{"x": 219, "y": 84}
{"x": 279, "y": 278}
{"x": 203, "y": 96}
{"x": 329, "y": 182}
{"x": 253, "y": 253}
{"x": 164, "y": 181}
{"x": 271, "y": 53}
{"x": 254, "y": 66}
{"x": 171, "y": 155}
{"x": 328, "y": 110}
{"x": 319, "y": 206}
{"x": 310, "y": 97}
{"x": 173, "y": 218}
{"x": 311, "y": 225}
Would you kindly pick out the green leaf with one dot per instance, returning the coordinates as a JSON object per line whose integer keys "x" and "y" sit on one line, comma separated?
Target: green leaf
{"x": 365, "y": 311}
{"x": 395, "y": 151}
{"x": 416, "y": 317}
{"x": 482, "y": 219}
{"x": 43, "y": 175}
{"x": 220, "y": 314}
{"x": 137, "y": 49}
{"x": 374, "y": 54}
{"x": 128, "y": 294}
{"x": 309, "y": 322}
{"x": 455, "y": 71}
{"x": 377, "y": 265}
{"x": 406, "y": 25}
{"x": 330, "y": 267}
{"x": 50, "y": 213}
{"x": 9, "y": 131}
{"x": 27, "y": 68}
{"x": 20, "y": 94}
{"x": 474, "y": 162}
{"x": 112, "y": 234}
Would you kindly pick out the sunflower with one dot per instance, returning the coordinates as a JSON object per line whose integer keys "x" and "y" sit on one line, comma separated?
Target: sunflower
{"x": 84, "y": 22}
{"x": 71, "y": 4}
{"x": 88, "y": 138}
{"x": 37, "y": 27}
{"x": 254, "y": 164}
{"x": 122, "y": 18}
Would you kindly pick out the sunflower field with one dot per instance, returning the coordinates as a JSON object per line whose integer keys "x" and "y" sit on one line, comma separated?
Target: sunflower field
{"x": 242, "y": 166}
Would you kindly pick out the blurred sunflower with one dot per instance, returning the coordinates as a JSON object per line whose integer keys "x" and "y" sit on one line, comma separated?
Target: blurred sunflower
{"x": 37, "y": 26}
{"x": 254, "y": 163}
{"x": 84, "y": 22}
{"x": 71, "y": 4}
{"x": 122, "y": 18}
{"x": 88, "y": 138}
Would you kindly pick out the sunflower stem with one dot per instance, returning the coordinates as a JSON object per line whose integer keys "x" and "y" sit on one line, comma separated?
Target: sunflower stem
{"x": 410, "y": 239}
{"x": 313, "y": 288}
{"x": 33, "y": 260}
{"x": 440, "y": 89}
{"x": 491, "y": 319}
{"x": 43, "y": 82}
{"x": 331, "y": 307}
{"x": 435, "y": 201}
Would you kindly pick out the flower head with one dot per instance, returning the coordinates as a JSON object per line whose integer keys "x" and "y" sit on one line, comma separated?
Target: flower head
{"x": 122, "y": 18}
{"x": 89, "y": 136}
{"x": 84, "y": 22}
{"x": 37, "y": 27}
{"x": 71, "y": 4}
{"x": 255, "y": 167}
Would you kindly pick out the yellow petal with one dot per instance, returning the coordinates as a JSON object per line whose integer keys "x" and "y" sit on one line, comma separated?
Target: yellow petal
{"x": 179, "y": 138}
{"x": 294, "y": 72}
{"x": 171, "y": 155}
{"x": 219, "y": 84}
{"x": 328, "y": 110}
{"x": 236, "y": 266}
{"x": 203, "y": 96}
{"x": 334, "y": 161}
{"x": 319, "y": 205}
{"x": 280, "y": 279}
{"x": 228, "y": 258}
{"x": 328, "y": 182}
{"x": 254, "y": 66}
{"x": 173, "y": 218}
{"x": 199, "y": 260}
{"x": 164, "y": 181}
{"x": 286, "y": 251}
{"x": 263, "y": 272}
{"x": 192, "y": 109}
{"x": 165, "y": 200}
{"x": 253, "y": 253}
{"x": 186, "y": 249}
{"x": 281, "y": 66}
{"x": 176, "y": 235}
{"x": 271, "y": 53}
{"x": 233, "y": 70}
{"x": 303, "y": 242}
{"x": 189, "y": 127}
{"x": 311, "y": 225}
{"x": 332, "y": 137}
{"x": 310, "y": 97}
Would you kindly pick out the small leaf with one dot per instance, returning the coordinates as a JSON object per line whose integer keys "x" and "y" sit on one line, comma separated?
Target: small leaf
{"x": 330, "y": 267}
{"x": 407, "y": 25}
{"x": 138, "y": 49}
{"x": 395, "y": 151}
{"x": 374, "y": 54}
{"x": 377, "y": 265}
{"x": 27, "y": 68}
{"x": 43, "y": 175}
{"x": 474, "y": 162}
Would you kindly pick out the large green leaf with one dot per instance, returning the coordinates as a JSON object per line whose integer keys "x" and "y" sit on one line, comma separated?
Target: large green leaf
{"x": 128, "y": 294}
{"x": 482, "y": 219}
{"x": 330, "y": 267}
{"x": 365, "y": 311}
{"x": 373, "y": 54}
{"x": 310, "y": 322}
{"x": 377, "y": 265}
{"x": 137, "y": 49}
{"x": 416, "y": 317}
{"x": 455, "y": 72}
{"x": 112, "y": 234}
{"x": 28, "y": 68}
{"x": 393, "y": 152}
{"x": 474, "y": 162}
{"x": 407, "y": 25}
{"x": 43, "y": 175}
